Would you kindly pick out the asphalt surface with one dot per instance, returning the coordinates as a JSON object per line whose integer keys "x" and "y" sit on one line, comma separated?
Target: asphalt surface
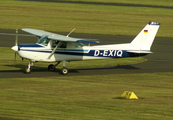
{"x": 160, "y": 61}
{"x": 102, "y": 3}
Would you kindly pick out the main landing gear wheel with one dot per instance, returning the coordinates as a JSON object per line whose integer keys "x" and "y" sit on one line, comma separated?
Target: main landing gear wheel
{"x": 64, "y": 71}
{"x": 51, "y": 67}
{"x": 27, "y": 70}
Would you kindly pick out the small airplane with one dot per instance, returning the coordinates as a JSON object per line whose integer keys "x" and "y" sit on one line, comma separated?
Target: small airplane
{"x": 52, "y": 47}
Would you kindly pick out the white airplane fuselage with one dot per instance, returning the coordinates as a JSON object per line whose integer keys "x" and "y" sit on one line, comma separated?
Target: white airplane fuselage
{"x": 36, "y": 52}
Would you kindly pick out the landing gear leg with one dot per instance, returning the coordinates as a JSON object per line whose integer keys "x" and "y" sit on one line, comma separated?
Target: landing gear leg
{"x": 51, "y": 67}
{"x": 64, "y": 70}
{"x": 28, "y": 68}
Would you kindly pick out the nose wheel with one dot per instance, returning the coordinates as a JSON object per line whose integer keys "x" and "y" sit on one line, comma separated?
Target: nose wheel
{"x": 28, "y": 68}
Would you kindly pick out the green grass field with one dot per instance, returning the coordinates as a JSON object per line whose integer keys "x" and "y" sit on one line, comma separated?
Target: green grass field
{"x": 92, "y": 19}
{"x": 85, "y": 97}
{"x": 88, "y": 97}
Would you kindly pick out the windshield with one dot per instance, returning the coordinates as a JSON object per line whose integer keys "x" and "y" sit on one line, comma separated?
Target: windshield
{"x": 43, "y": 40}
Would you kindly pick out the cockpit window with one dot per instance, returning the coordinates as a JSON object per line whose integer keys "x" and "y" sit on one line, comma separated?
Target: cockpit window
{"x": 43, "y": 40}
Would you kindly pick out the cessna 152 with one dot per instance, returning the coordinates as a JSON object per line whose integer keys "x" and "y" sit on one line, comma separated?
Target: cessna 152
{"x": 53, "y": 47}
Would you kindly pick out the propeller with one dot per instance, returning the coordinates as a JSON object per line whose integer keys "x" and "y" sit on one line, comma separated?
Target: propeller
{"x": 16, "y": 45}
{"x": 16, "y": 41}
{"x": 15, "y": 59}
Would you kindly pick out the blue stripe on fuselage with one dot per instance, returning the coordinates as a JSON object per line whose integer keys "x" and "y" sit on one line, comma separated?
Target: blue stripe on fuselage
{"x": 89, "y": 53}
{"x": 29, "y": 45}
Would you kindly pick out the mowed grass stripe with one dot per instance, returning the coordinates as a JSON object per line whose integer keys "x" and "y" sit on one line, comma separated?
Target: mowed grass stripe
{"x": 88, "y": 97}
{"x": 92, "y": 19}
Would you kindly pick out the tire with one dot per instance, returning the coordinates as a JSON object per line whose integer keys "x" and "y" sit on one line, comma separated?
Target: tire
{"x": 27, "y": 71}
{"x": 51, "y": 67}
{"x": 64, "y": 71}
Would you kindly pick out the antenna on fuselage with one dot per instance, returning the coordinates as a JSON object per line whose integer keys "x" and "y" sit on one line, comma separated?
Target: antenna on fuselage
{"x": 70, "y": 32}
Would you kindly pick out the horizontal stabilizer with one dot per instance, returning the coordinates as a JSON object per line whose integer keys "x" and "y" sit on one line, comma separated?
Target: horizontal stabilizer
{"x": 145, "y": 52}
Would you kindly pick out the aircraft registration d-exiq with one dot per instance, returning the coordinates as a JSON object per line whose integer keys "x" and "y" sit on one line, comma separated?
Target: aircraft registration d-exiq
{"x": 53, "y": 47}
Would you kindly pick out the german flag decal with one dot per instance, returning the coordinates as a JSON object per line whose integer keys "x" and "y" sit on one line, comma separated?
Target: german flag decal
{"x": 145, "y": 31}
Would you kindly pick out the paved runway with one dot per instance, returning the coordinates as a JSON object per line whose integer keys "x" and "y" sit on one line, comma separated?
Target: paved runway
{"x": 102, "y": 3}
{"x": 160, "y": 61}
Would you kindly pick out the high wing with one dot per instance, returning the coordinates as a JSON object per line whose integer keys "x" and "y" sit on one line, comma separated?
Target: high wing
{"x": 57, "y": 37}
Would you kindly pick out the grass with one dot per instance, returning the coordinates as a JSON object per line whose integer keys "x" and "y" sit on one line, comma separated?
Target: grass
{"x": 88, "y": 97}
{"x": 92, "y": 19}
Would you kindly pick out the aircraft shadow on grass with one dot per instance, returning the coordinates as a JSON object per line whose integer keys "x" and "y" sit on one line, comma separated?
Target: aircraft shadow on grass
{"x": 113, "y": 67}
{"x": 77, "y": 70}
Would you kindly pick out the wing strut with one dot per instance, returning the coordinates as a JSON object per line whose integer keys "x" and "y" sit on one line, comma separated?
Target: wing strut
{"x": 54, "y": 50}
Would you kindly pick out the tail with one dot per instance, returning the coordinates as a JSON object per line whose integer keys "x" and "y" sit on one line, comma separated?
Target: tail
{"x": 143, "y": 41}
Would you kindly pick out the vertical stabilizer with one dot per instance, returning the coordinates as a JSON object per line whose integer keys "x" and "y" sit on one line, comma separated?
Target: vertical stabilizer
{"x": 145, "y": 38}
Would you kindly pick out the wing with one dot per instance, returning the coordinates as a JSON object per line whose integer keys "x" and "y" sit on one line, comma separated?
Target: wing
{"x": 57, "y": 37}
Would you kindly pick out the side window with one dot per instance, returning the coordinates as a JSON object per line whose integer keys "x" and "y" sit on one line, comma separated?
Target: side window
{"x": 78, "y": 45}
{"x": 63, "y": 45}
{"x": 54, "y": 43}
